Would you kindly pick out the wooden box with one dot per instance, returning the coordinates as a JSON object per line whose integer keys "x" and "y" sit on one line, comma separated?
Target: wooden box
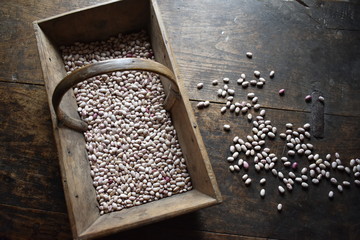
{"x": 98, "y": 23}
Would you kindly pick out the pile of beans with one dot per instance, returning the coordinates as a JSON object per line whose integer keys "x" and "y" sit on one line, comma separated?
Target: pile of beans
{"x": 251, "y": 149}
{"x": 132, "y": 147}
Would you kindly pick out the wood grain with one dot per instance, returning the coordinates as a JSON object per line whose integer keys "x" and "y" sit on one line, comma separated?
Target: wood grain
{"x": 244, "y": 212}
{"x": 212, "y": 41}
{"x": 18, "y": 223}
{"x": 29, "y": 167}
{"x": 19, "y": 58}
{"x": 314, "y": 48}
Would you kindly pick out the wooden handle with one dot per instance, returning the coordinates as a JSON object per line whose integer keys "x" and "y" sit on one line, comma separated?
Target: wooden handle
{"x": 95, "y": 69}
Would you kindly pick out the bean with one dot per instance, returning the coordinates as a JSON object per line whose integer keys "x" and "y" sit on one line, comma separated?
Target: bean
{"x": 291, "y": 153}
{"x": 237, "y": 168}
{"x": 200, "y": 105}
{"x": 257, "y": 106}
{"x": 227, "y": 127}
{"x": 251, "y": 95}
{"x": 304, "y": 185}
{"x": 333, "y": 180}
{"x": 346, "y": 183}
{"x": 357, "y": 182}
{"x": 287, "y": 164}
{"x": 260, "y": 84}
{"x": 282, "y": 135}
{"x": 230, "y": 159}
{"x": 282, "y": 92}
{"x": 249, "y": 54}
{"x": 239, "y": 81}
{"x": 294, "y": 165}
{"x": 253, "y": 82}
{"x": 315, "y": 181}
{"x": 272, "y": 74}
{"x": 231, "y": 92}
{"x": 219, "y": 92}
{"x": 340, "y": 167}
{"x": 200, "y": 85}
{"x": 262, "y": 181}
{"x": 352, "y": 162}
{"x": 246, "y": 165}
{"x": 271, "y": 135}
{"x": 262, "y": 193}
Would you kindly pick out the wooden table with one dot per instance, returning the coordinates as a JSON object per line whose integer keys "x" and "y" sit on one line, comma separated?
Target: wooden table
{"x": 314, "y": 46}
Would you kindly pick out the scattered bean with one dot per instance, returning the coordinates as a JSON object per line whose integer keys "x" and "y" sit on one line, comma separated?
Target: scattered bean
{"x": 262, "y": 193}
{"x": 272, "y": 74}
{"x": 249, "y": 54}
{"x": 308, "y": 98}
{"x": 262, "y": 181}
{"x": 281, "y": 189}
{"x": 227, "y": 127}
{"x": 282, "y": 92}
{"x": 248, "y": 181}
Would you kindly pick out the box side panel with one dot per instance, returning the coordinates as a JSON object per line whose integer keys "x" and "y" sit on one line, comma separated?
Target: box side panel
{"x": 148, "y": 213}
{"x": 75, "y": 171}
{"x": 190, "y": 139}
{"x": 97, "y": 23}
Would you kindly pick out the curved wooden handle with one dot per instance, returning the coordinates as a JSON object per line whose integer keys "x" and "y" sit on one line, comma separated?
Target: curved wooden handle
{"x": 95, "y": 69}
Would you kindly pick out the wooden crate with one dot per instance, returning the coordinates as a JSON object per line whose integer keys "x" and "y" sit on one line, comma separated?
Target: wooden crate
{"x": 99, "y": 23}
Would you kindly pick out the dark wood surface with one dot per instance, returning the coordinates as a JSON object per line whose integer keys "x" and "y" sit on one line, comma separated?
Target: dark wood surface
{"x": 314, "y": 48}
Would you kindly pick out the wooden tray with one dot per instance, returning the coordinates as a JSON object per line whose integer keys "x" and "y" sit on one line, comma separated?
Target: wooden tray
{"x": 98, "y": 23}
